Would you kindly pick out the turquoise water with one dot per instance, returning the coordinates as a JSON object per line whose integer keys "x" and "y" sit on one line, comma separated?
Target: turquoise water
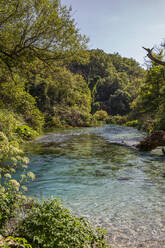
{"x": 114, "y": 186}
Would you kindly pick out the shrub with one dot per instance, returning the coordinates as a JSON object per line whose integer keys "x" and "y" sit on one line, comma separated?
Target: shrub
{"x": 54, "y": 122}
{"x": 118, "y": 119}
{"x": 14, "y": 127}
{"x": 65, "y": 116}
{"x": 160, "y": 118}
{"x": 26, "y": 132}
{"x": 11, "y": 190}
{"x": 133, "y": 123}
{"x": 14, "y": 97}
{"x": 49, "y": 224}
{"x": 101, "y": 115}
{"x": 16, "y": 242}
{"x": 8, "y": 122}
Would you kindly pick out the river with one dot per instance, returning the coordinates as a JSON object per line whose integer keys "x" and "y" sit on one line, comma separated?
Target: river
{"x": 114, "y": 186}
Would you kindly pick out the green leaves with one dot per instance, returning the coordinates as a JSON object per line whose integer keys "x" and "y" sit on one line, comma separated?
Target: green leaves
{"x": 64, "y": 97}
{"x": 49, "y": 224}
{"x": 15, "y": 98}
{"x": 39, "y": 29}
{"x": 150, "y": 102}
{"x": 16, "y": 242}
{"x": 113, "y": 81}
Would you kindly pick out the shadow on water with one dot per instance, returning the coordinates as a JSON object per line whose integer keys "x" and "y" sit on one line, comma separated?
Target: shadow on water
{"x": 116, "y": 187}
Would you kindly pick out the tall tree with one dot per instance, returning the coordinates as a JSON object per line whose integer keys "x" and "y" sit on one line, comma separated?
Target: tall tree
{"x": 113, "y": 81}
{"x": 41, "y": 29}
{"x": 149, "y": 106}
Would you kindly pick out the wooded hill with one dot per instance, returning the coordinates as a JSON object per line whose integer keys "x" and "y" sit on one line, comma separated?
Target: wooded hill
{"x": 49, "y": 78}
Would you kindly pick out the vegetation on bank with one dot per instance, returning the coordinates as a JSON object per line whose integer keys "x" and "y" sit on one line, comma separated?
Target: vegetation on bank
{"x": 149, "y": 106}
{"x": 49, "y": 79}
{"x": 25, "y": 222}
{"x": 38, "y": 40}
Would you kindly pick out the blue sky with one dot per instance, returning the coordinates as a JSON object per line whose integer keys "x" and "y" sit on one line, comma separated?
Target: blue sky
{"x": 122, "y": 26}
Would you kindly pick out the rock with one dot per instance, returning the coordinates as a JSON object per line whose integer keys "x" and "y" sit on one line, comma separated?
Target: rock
{"x": 152, "y": 141}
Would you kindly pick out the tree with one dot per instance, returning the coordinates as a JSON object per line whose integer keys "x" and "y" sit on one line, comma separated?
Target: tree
{"x": 41, "y": 29}
{"x": 149, "y": 106}
{"x": 63, "y": 97}
{"x": 153, "y": 56}
{"x": 113, "y": 81}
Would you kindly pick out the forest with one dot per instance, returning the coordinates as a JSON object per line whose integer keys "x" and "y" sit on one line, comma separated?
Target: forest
{"x": 50, "y": 79}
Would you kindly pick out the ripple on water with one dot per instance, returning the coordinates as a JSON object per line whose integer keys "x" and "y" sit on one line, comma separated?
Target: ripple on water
{"x": 115, "y": 187}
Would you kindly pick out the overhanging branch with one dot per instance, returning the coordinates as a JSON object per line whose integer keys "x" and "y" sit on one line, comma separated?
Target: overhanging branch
{"x": 152, "y": 57}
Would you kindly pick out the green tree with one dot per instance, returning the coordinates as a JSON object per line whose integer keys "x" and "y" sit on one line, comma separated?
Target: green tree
{"x": 41, "y": 29}
{"x": 113, "y": 81}
{"x": 63, "y": 96}
{"x": 150, "y": 103}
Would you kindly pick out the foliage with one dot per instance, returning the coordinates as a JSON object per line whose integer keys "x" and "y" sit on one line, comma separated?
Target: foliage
{"x": 8, "y": 122}
{"x": 11, "y": 196}
{"x": 9, "y": 150}
{"x": 49, "y": 224}
{"x": 14, "y": 127}
{"x": 25, "y": 132}
{"x": 36, "y": 39}
{"x": 160, "y": 117}
{"x": 149, "y": 105}
{"x": 46, "y": 224}
{"x": 70, "y": 116}
{"x": 11, "y": 190}
{"x": 63, "y": 97}
{"x": 119, "y": 120}
{"x": 113, "y": 81}
{"x": 101, "y": 115}
{"x": 41, "y": 29}
{"x": 14, "y": 97}
{"x": 16, "y": 242}
{"x": 133, "y": 123}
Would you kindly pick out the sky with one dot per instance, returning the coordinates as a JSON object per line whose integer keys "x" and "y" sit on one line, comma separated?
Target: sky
{"x": 122, "y": 26}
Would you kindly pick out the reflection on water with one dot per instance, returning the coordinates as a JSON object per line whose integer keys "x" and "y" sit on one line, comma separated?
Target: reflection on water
{"x": 116, "y": 187}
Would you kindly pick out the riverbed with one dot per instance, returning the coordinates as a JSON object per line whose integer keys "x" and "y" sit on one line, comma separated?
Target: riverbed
{"x": 115, "y": 186}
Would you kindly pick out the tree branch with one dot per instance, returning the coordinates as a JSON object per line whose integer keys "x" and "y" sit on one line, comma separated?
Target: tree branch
{"x": 152, "y": 57}
{"x": 10, "y": 16}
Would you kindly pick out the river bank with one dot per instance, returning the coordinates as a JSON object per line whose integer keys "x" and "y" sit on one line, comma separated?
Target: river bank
{"x": 115, "y": 187}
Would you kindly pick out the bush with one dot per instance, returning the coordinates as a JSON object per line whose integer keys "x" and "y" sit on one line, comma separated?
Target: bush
{"x": 133, "y": 123}
{"x": 64, "y": 98}
{"x": 8, "y": 122}
{"x": 160, "y": 118}
{"x": 118, "y": 119}
{"x": 14, "y": 97}
{"x": 14, "y": 127}
{"x": 26, "y": 132}
{"x": 49, "y": 224}
{"x": 64, "y": 116}
{"x": 16, "y": 242}
{"x": 11, "y": 190}
{"x": 54, "y": 122}
{"x": 101, "y": 115}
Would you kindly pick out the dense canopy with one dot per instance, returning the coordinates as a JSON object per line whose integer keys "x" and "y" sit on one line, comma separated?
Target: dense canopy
{"x": 40, "y": 29}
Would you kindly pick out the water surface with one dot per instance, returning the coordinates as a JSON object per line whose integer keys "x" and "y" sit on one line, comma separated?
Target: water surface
{"x": 114, "y": 186}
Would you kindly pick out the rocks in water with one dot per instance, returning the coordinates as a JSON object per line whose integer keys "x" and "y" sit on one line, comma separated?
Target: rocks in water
{"x": 152, "y": 141}
{"x": 100, "y": 173}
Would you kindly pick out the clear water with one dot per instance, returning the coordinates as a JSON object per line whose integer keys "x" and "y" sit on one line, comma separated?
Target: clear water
{"x": 114, "y": 186}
